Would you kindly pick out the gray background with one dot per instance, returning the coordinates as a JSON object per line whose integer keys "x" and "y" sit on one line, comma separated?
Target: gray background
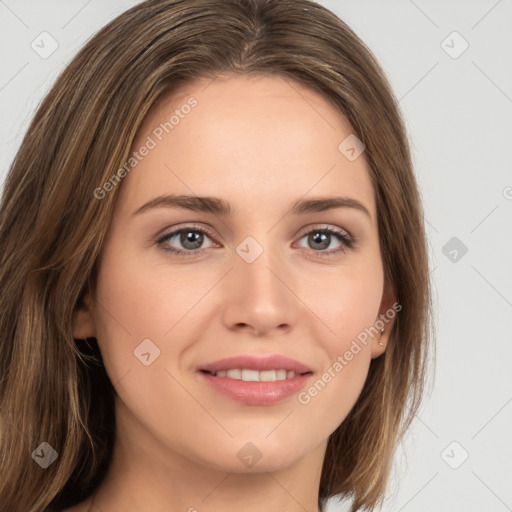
{"x": 457, "y": 105}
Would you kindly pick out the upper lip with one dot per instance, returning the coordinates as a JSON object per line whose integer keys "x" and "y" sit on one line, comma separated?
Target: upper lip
{"x": 251, "y": 362}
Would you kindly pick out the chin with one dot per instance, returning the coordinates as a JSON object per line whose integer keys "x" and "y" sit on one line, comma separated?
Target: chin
{"x": 255, "y": 456}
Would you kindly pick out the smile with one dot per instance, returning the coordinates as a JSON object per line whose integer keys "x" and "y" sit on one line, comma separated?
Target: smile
{"x": 255, "y": 375}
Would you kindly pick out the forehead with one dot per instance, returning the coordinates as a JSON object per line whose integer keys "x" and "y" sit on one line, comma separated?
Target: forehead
{"x": 246, "y": 138}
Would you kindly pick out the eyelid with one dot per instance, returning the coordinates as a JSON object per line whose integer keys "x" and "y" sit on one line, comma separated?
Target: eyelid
{"x": 186, "y": 227}
{"x": 347, "y": 241}
{"x": 209, "y": 232}
{"x": 325, "y": 227}
{"x": 167, "y": 232}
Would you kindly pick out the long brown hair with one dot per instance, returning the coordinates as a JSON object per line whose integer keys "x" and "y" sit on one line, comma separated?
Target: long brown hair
{"x": 52, "y": 228}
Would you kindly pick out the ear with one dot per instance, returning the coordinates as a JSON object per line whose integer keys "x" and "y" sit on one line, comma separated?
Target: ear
{"x": 388, "y": 310}
{"x": 83, "y": 319}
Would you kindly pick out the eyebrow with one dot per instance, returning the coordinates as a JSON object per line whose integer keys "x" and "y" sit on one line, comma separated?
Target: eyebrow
{"x": 222, "y": 208}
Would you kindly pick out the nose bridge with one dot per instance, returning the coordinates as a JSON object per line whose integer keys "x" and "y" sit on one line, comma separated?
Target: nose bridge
{"x": 257, "y": 265}
{"x": 258, "y": 295}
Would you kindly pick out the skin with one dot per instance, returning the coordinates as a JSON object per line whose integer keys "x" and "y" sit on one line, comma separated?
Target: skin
{"x": 259, "y": 143}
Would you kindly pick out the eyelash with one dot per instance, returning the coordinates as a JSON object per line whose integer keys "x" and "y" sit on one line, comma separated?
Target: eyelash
{"x": 347, "y": 242}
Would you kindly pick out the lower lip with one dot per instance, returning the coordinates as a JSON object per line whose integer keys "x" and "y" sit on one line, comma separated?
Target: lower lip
{"x": 256, "y": 393}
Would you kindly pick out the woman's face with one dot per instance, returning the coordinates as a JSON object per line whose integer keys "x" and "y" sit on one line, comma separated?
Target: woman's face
{"x": 258, "y": 277}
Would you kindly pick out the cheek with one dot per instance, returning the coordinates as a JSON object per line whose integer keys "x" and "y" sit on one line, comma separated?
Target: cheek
{"x": 131, "y": 306}
{"x": 139, "y": 296}
{"x": 349, "y": 305}
{"x": 347, "y": 302}
{"x": 137, "y": 300}
{"x": 136, "y": 304}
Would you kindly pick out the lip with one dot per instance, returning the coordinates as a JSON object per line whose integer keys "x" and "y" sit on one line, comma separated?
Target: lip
{"x": 256, "y": 393}
{"x": 250, "y": 362}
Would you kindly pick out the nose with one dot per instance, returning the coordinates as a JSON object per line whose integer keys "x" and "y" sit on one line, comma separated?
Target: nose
{"x": 258, "y": 296}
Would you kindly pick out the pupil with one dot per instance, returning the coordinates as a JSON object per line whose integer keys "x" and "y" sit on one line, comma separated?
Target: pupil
{"x": 195, "y": 239}
{"x": 322, "y": 239}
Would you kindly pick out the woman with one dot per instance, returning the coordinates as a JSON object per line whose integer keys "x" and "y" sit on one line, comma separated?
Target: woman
{"x": 214, "y": 269}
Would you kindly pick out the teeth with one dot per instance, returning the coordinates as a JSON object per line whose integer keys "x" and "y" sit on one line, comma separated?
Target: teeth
{"x": 234, "y": 374}
{"x": 250, "y": 375}
{"x": 256, "y": 376}
{"x": 268, "y": 375}
{"x": 281, "y": 374}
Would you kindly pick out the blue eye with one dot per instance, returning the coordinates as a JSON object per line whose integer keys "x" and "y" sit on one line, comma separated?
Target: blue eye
{"x": 192, "y": 239}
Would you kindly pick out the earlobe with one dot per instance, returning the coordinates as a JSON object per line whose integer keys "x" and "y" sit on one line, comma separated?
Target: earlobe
{"x": 380, "y": 342}
{"x": 384, "y": 323}
{"x": 381, "y": 333}
{"x": 83, "y": 319}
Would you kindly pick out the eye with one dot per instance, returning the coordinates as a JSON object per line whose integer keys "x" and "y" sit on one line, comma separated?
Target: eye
{"x": 191, "y": 239}
{"x": 321, "y": 238}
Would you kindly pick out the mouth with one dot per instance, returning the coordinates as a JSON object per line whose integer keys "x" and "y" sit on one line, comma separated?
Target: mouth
{"x": 252, "y": 380}
{"x": 248, "y": 375}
